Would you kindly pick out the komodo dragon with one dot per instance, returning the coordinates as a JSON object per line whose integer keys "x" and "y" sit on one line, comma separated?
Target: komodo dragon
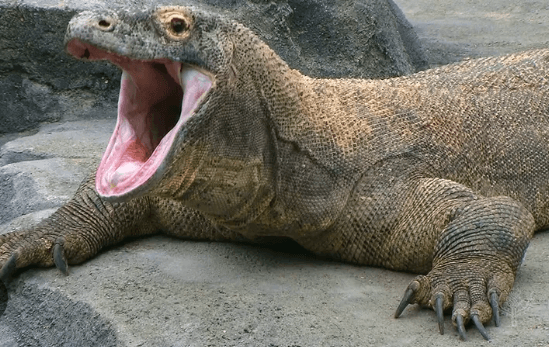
{"x": 444, "y": 173}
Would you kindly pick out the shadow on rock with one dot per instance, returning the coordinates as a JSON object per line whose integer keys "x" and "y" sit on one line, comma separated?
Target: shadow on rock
{"x": 38, "y": 316}
{"x": 3, "y": 298}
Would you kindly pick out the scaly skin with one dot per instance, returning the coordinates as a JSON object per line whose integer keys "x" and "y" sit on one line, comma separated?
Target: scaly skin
{"x": 442, "y": 173}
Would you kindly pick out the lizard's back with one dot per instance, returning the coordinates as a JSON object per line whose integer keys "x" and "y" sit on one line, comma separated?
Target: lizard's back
{"x": 483, "y": 123}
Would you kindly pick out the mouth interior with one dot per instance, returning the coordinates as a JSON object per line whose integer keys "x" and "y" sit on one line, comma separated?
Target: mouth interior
{"x": 156, "y": 99}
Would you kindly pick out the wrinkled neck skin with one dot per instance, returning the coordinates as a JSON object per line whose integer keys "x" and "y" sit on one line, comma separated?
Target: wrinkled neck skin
{"x": 224, "y": 162}
{"x": 231, "y": 159}
{"x": 274, "y": 184}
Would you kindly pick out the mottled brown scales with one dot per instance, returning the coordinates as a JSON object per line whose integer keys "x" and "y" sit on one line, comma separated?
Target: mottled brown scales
{"x": 442, "y": 173}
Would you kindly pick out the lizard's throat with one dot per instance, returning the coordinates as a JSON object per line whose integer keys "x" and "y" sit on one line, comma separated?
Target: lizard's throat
{"x": 156, "y": 100}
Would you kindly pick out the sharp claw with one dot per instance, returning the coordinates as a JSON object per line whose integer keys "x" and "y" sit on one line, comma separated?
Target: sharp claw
{"x": 461, "y": 327}
{"x": 480, "y": 327}
{"x": 495, "y": 307}
{"x": 59, "y": 258}
{"x": 9, "y": 268}
{"x": 440, "y": 313}
{"x": 406, "y": 299}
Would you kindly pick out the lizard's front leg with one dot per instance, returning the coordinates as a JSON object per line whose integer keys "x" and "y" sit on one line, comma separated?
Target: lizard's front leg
{"x": 75, "y": 232}
{"x": 88, "y": 223}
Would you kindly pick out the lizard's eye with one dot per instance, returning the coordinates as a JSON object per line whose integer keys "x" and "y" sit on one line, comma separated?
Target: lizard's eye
{"x": 178, "y": 25}
{"x": 174, "y": 22}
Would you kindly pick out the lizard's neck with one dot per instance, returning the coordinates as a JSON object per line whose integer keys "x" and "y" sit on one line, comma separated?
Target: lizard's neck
{"x": 327, "y": 132}
{"x": 277, "y": 136}
{"x": 228, "y": 171}
{"x": 333, "y": 121}
{"x": 273, "y": 94}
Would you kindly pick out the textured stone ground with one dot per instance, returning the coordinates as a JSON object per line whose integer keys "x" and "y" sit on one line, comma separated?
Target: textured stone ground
{"x": 164, "y": 292}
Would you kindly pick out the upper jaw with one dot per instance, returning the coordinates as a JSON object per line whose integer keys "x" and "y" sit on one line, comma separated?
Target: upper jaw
{"x": 115, "y": 32}
{"x": 157, "y": 98}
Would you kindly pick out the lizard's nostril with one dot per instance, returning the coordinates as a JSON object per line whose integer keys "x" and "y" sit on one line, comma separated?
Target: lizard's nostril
{"x": 106, "y": 24}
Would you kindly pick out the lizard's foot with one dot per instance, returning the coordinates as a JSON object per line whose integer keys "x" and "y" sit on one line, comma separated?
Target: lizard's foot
{"x": 19, "y": 249}
{"x": 33, "y": 247}
{"x": 474, "y": 289}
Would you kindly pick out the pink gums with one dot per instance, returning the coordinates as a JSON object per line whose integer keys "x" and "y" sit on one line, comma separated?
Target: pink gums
{"x": 150, "y": 91}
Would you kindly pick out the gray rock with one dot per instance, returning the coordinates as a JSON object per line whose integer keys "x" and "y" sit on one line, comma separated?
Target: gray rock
{"x": 43, "y": 170}
{"x": 451, "y": 31}
{"x": 39, "y": 82}
{"x": 77, "y": 139}
{"x": 55, "y": 321}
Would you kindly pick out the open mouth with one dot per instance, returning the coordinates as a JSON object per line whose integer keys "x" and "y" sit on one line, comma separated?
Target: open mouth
{"x": 156, "y": 98}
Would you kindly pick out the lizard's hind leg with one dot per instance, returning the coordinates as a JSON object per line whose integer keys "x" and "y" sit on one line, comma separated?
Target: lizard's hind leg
{"x": 467, "y": 247}
{"x": 475, "y": 262}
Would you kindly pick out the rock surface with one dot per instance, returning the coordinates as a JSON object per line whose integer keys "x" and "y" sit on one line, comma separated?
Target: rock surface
{"x": 452, "y": 30}
{"x": 164, "y": 292}
{"x": 39, "y": 82}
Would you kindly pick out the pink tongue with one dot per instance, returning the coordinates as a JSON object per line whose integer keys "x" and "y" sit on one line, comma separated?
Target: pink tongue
{"x": 127, "y": 162}
{"x": 134, "y": 155}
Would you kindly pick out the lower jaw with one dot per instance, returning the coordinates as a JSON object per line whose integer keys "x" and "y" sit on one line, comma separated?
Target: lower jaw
{"x": 126, "y": 169}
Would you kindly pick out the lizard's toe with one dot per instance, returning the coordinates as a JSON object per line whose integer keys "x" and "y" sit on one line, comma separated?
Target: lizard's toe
{"x": 480, "y": 327}
{"x": 494, "y": 303}
{"x": 472, "y": 293}
{"x": 59, "y": 258}
{"x": 419, "y": 292}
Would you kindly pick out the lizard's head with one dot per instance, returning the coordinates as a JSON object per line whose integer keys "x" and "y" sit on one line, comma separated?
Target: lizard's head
{"x": 174, "y": 62}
